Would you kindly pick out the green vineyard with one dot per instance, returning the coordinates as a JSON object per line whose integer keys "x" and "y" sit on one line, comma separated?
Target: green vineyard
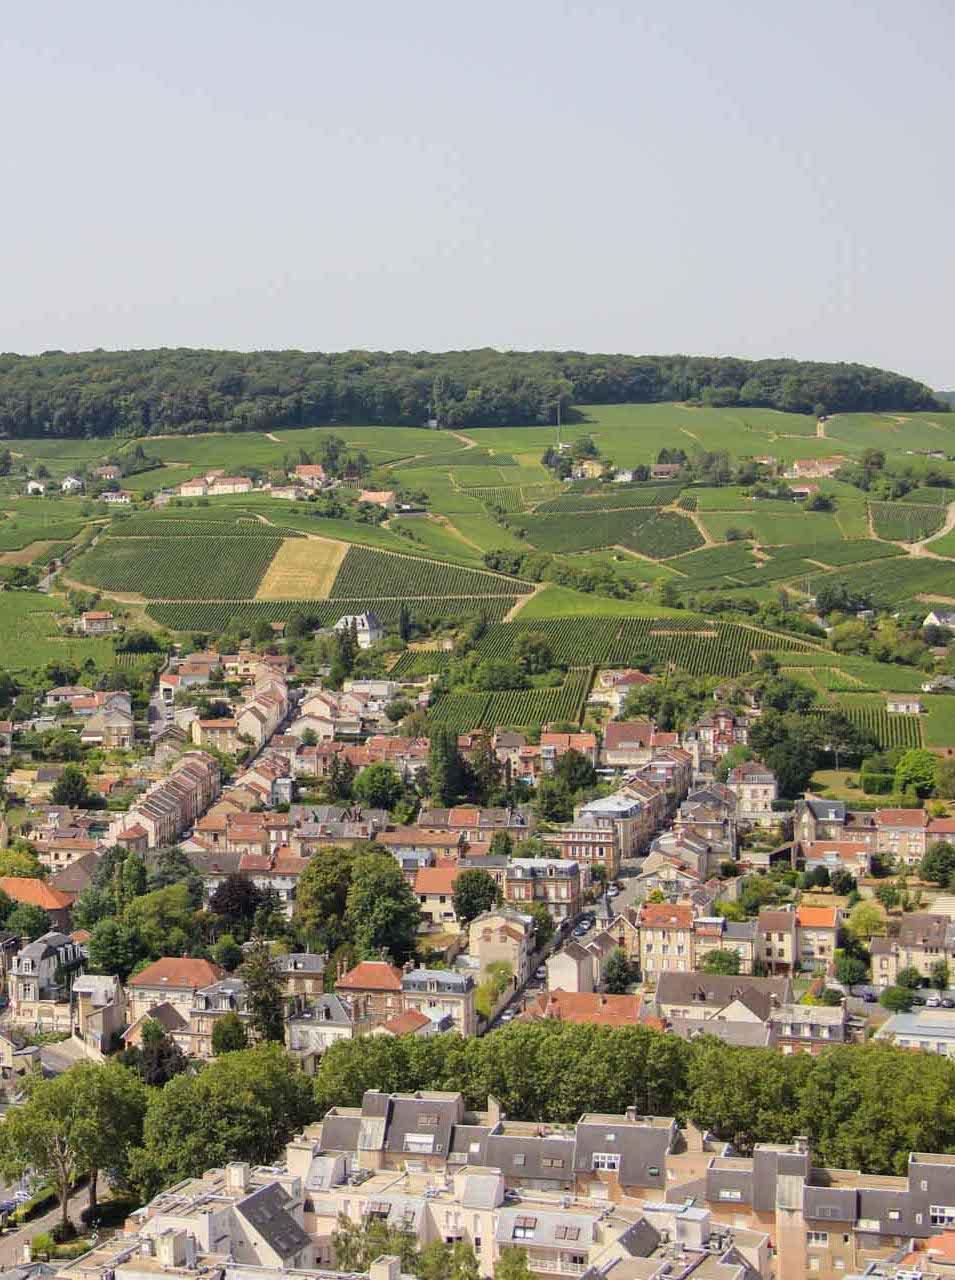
{"x": 652, "y": 533}
{"x": 214, "y": 568}
{"x": 370, "y": 574}
{"x": 206, "y": 616}
{"x": 419, "y": 662}
{"x": 506, "y": 498}
{"x": 887, "y": 729}
{"x": 905, "y": 522}
{"x": 517, "y": 707}
{"x": 174, "y": 527}
{"x": 611, "y": 498}
{"x": 691, "y": 644}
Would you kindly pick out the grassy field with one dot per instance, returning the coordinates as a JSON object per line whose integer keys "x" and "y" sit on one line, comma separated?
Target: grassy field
{"x": 552, "y": 601}
{"x": 29, "y": 636}
{"x": 794, "y": 528}
{"x": 435, "y": 536}
{"x": 938, "y": 724}
{"x": 302, "y": 569}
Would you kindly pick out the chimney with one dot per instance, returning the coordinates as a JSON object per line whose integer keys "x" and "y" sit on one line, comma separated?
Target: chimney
{"x": 387, "y": 1267}
{"x": 237, "y": 1176}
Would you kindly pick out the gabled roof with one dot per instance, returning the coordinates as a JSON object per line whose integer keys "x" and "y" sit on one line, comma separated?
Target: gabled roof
{"x": 371, "y": 975}
{"x": 902, "y": 818}
{"x": 439, "y": 880}
{"x": 817, "y": 917}
{"x": 589, "y": 1007}
{"x": 665, "y": 915}
{"x": 35, "y": 893}
{"x": 178, "y": 971}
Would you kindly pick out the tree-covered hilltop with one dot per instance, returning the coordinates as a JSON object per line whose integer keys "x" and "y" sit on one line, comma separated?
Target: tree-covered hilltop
{"x": 103, "y": 393}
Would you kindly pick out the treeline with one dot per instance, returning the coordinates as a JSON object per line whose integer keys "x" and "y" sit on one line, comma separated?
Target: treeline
{"x": 135, "y": 393}
{"x": 863, "y": 1107}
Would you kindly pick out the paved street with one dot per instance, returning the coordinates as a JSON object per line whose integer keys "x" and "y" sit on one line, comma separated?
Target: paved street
{"x": 12, "y": 1242}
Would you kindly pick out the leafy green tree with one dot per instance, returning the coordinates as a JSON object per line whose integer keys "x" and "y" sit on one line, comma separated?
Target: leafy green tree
{"x": 263, "y": 985}
{"x": 321, "y": 897}
{"x": 533, "y": 652}
{"x": 72, "y": 789}
{"x": 842, "y": 882}
{"x": 917, "y": 771}
{"x": 164, "y": 920}
{"x": 619, "y": 973}
{"x": 115, "y": 948}
{"x": 866, "y": 921}
{"x": 575, "y": 771}
{"x": 910, "y": 978}
{"x": 28, "y": 921}
{"x": 543, "y": 925}
{"x": 502, "y": 846}
{"x": 474, "y": 891}
{"x": 227, "y": 952}
{"x": 940, "y": 975}
{"x": 157, "y": 1058}
{"x": 553, "y": 801}
{"x": 485, "y": 770}
{"x": 229, "y": 1034}
{"x": 134, "y": 877}
{"x": 445, "y": 770}
{"x": 378, "y": 786}
{"x": 850, "y": 969}
{"x": 236, "y": 900}
{"x": 91, "y": 906}
{"x": 512, "y": 1264}
{"x": 726, "y": 962}
{"x": 938, "y": 864}
{"x": 20, "y": 862}
{"x": 242, "y": 1106}
{"x": 357, "y": 1245}
{"x": 88, "y": 1118}
{"x": 382, "y": 912}
{"x": 896, "y": 999}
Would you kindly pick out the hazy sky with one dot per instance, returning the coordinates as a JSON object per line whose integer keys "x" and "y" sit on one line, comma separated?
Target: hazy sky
{"x": 751, "y": 177}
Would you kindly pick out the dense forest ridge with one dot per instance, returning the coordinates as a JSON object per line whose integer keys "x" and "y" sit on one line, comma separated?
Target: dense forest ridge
{"x": 182, "y": 391}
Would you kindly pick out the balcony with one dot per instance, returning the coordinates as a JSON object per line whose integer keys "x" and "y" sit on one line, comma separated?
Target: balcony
{"x": 557, "y": 1265}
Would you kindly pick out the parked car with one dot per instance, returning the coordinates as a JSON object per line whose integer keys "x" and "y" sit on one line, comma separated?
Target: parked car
{"x": 540, "y": 972}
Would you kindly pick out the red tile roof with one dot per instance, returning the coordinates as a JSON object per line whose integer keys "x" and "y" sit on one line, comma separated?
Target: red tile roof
{"x": 178, "y": 971}
{"x": 663, "y": 915}
{"x": 590, "y": 1007}
{"x": 35, "y": 893}
{"x": 404, "y": 1024}
{"x": 901, "y": 817}
{"x": 817, "y": 917}
{"x": 371, "y": 975}
{"x": 437, "y": 879}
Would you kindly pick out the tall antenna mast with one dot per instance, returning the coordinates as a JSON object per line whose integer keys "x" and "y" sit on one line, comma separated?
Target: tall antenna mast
{"x": 558, "y": 423}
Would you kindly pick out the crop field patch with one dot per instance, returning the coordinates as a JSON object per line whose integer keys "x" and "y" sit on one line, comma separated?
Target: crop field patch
{"x": 651, "y": 533}
{"x": 211, "y": 568}
{"x": 906, "y": 522}
{"x": 217, "y": 616}
{"x": 302, "y": 569}
{"x": 373, "y": 574}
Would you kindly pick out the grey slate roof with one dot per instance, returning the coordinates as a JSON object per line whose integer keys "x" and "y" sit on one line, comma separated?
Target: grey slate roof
{"x": 266, "y": 1210}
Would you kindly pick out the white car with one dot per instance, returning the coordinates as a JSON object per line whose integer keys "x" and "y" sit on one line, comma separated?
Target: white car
{"x": 613, "y": 892}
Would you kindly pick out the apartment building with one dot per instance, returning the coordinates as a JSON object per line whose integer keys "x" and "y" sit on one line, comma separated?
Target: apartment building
{"x": 552, "y": 881}
{"x": 756, "y": 792}
{"x": 591, "y": 840}
{"x": 172, "y": 980}
{"x": 666, "y": 938}
{"x": 174, "y": 803}
{"x": 479, "y": 825}
{"x": 818, "y": 934}
{"x": 440, "y": 994}
{"x": 924, "y": 939}
{"x": 502, "y": 936}
{"x": 902, "y": 834}
{"x": 434, "y": 888}
{"x": 40, "y": 979}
